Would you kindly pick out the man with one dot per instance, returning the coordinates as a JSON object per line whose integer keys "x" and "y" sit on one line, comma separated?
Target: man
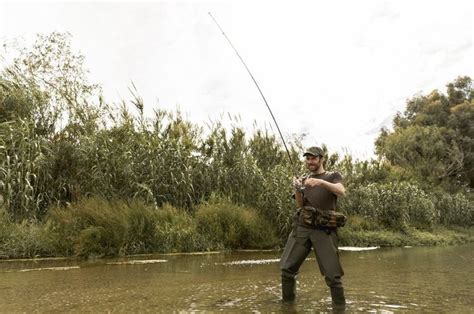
{"x": 317, "y": 191}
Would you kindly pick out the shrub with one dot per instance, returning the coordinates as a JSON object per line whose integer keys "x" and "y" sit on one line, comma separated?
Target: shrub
{"x": 231, "y": 226}
{"x": 454, "y": 209}
{"x": 394, "y": 205}
{"x": 98, "y": 227}
{"x": 176, "y": 231}
{"x": 25, "y": 239}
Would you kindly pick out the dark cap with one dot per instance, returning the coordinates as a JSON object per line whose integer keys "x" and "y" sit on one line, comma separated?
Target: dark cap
{"x": 315, "y": 151}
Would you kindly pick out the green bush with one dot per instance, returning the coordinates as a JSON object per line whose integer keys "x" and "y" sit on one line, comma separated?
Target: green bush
{"x": 412, "y": 236}
{"x": 98, "y": 227}
{"x": 25, "y": 239}
{"x": 230, "y": 226}
{"x": 363, "y": 238}
{"x": 394, "y": 205}
{"x": 359, "y": 223}
{"x": 454, "y": 209}
{"x": 176, "y": 231}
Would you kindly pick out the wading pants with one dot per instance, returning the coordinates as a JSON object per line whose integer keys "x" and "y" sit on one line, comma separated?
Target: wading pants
{"x": 297, "y": 249}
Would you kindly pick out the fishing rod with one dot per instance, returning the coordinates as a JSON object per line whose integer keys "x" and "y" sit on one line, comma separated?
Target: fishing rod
{"x": 261, "y": 93}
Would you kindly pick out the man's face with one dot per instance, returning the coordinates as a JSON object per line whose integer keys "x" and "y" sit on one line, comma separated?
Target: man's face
{"x": 313, "y": 162}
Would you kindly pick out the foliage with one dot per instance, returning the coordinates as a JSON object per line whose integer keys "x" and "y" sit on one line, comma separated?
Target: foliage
{"x": 454, "y": 209}
{"x": 23, "y": 161}
{"x": 357, "y": 173}
{"x": 393, "y": 205}
{"x": 98, "y": 227}
{"x": 230, "y": 226}
{"x": 434, "y": 139}
{"x": 388, "y": 238}
{"x": 53, "y": 80}
{"x": 45, "y": 104}
{"x": 177, "y": 231}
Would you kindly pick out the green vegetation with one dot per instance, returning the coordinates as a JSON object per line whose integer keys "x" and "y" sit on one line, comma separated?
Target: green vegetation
{"x": 433, "y": 140}
{"x": 82, "y": 177}
{"x": 231, "y": 226}
{"x": 95, "y": 227}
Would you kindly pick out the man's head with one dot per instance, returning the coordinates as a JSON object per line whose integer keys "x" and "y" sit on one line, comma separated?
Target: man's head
{"x": 314, "y": 158}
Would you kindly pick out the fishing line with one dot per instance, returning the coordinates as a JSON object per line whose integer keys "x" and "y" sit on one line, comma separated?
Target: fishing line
{"x": 261, "y": 93}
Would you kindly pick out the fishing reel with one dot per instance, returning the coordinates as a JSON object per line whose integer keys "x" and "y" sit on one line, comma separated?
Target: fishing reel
{"x": 298, "y": 185}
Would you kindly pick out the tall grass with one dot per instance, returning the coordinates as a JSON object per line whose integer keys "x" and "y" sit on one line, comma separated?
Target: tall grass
{"x": 95, "y": 227}
{"x": 454, "y": 209}
{"x": 160, "y": 160}
{"x": 230, "y": 226}
{"x": 394, "y": 205}
{"x": 167, "y": 160}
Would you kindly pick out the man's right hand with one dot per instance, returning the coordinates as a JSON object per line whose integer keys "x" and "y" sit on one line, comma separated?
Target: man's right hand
{"x": 297, "y": 183}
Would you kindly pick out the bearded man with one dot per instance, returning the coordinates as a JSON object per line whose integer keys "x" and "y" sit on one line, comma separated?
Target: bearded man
{"x": 315, "y": 227}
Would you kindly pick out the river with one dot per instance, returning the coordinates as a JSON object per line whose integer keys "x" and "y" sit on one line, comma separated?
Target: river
{"x": 433, "y": 279}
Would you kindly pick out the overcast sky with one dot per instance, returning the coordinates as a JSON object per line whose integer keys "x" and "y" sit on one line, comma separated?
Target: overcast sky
{"x": 335, "y": 70}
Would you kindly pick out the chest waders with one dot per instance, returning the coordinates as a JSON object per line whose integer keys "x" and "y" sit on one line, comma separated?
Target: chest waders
{"x": 307, "y": 234}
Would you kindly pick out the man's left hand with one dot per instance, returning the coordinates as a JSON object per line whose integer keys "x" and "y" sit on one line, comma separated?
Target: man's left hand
{"x": 311, "y": 182}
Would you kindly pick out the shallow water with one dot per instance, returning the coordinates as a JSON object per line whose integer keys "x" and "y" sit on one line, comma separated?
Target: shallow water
{"x": 434, "y": 279}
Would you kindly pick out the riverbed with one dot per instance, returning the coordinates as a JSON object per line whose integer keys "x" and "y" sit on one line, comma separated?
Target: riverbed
{"x": 383, "y": 280}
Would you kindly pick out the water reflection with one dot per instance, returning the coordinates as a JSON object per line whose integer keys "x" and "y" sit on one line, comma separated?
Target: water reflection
{"x": 381, "y": 280}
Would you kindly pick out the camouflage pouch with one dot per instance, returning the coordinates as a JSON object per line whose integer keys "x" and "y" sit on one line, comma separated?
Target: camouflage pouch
{"x": 307, "y": 215}
{"x": 329, "y": 218}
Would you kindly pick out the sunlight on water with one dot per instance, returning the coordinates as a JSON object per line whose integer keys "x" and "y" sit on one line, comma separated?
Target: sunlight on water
{"x": 135, "y": 262}
{"x": 251, "y": 262}
{"x": 357, "y": 249}
{"x": 42, "y": 269}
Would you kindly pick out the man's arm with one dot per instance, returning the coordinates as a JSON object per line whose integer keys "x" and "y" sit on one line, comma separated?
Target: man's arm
{"x": 298, "y": 198}
{"x": 298, "y": 183}
{"x": 336, "y": 188}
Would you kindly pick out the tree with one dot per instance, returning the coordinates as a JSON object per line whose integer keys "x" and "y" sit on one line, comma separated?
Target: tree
{"x": 433, "y": 139}
{"x": 53, "y": 81}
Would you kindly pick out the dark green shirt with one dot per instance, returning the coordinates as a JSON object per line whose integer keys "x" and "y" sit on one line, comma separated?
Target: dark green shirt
{"x": 318, "y": 196}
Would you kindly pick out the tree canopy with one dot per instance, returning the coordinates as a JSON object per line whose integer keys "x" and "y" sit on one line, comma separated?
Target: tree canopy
{"x": 433, "y": 139}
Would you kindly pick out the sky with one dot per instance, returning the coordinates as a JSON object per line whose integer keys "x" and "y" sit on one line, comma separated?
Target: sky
{"x": 333, "y": 72}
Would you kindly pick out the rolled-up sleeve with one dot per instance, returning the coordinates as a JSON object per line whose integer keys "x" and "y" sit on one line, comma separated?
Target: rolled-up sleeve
{"x": 336, "y": 177}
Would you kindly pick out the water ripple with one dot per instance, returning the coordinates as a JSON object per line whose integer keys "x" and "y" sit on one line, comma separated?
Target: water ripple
{"x": 44, "y": 268}
{"x": 251, "y": 262}
{"x": 357, "y": 249}
{"x": 135, "y": 262}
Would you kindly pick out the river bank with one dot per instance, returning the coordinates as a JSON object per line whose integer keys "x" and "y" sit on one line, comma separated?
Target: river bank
{"x": 37, "y": 240}
{"x": 439, "y": 235}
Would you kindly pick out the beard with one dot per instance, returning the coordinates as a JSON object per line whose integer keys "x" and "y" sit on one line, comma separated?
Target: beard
{"x": 313, "y": 167}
